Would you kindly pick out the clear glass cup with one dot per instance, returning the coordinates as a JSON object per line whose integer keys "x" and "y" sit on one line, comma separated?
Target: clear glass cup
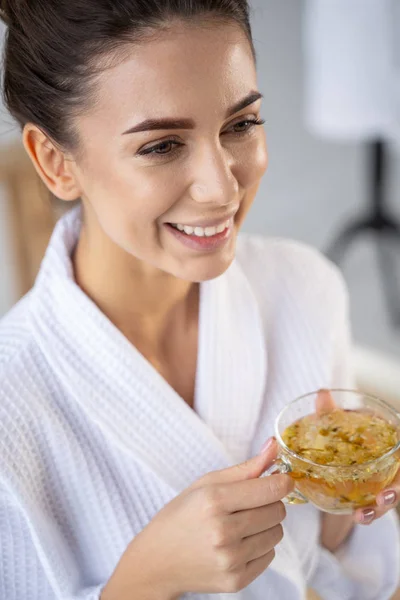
{"x": 336, "y": 489}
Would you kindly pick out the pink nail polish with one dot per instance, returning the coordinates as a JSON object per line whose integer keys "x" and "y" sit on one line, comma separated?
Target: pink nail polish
{"x": 267, "y": 445}
{"x": 367, "y": 516}
{"x": 389, "y": 497}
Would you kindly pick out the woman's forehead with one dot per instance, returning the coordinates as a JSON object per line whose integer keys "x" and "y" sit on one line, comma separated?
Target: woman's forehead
{"x": 182, "y": 69}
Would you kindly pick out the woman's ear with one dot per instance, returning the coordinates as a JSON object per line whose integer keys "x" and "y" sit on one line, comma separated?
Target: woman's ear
{"x": 53, "y": 167}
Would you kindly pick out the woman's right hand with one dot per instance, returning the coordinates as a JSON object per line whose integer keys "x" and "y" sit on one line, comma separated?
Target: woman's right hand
{"x": 216, "y": 536}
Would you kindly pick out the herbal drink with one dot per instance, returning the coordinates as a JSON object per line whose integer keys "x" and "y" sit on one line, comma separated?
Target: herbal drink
{"x": 342, "y": 438}
{"x": 341, "y": 452}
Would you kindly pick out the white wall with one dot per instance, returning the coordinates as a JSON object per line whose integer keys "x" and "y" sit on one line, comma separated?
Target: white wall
{"x": 311, "y": 186}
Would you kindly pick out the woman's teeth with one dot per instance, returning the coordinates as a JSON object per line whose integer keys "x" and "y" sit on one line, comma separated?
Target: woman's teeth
{"x": 201, "y": 231}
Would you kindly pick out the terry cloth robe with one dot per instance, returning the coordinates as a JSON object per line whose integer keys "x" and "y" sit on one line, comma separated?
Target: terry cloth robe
{"x": 94, "y": 442}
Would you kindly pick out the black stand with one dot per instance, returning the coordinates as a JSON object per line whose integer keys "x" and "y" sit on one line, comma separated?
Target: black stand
{"x": 379, "y": 221}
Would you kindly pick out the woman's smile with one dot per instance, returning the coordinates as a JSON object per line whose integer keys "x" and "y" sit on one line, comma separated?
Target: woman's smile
{"x": 207, "y": 238}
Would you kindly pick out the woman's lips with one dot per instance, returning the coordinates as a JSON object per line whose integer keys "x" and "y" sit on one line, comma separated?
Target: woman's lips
{"x": 202, "y": 243}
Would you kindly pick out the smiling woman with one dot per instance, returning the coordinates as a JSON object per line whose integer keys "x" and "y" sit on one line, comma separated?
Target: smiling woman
{"x": 134, "y": 376}
{"x": 201, "y": 145}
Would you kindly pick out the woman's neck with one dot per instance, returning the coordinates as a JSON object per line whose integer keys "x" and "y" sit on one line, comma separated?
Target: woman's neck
{"x": 143, "y": 302}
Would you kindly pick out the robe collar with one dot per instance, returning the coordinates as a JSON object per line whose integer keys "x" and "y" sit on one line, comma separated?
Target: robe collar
{"x": 125, "y": 395}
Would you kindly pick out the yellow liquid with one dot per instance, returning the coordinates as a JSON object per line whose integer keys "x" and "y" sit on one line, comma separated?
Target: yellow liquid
{"x": 342, "y": 439}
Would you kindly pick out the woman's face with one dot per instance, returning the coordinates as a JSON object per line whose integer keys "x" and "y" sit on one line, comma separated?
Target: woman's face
{"x": 172, "y": 155}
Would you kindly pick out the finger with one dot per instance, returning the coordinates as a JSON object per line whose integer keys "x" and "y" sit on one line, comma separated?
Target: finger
{"x": 390, "y": 496}
{"x": 325, "y": 402}
{"x": 368, "y": 514}
{"x": 250, "y": 522}
{"x": 250, "y": 469}
{"x": 365, "y": 516}
{"x": 255, "y": 567}
{"x": 245, "y": 495}
{"x": 388, "y": 499}
{"x": 385, "y": 501}
{"x": 260, "y": 544}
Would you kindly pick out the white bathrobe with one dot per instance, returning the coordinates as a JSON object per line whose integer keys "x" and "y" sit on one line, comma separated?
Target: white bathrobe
{"x": 94, "y": 442}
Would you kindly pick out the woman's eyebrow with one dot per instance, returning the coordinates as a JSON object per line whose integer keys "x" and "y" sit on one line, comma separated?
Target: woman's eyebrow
{"x": 159, "y": 124}
{"x": 249, "y": 99}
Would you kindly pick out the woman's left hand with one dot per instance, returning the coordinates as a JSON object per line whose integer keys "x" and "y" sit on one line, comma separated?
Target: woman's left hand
{"x": 386, "y": 500}
{"x": 335, "y": 529}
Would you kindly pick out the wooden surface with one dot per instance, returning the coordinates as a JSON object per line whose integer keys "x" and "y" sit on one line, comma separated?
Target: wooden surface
{"x": 32, "y": 213}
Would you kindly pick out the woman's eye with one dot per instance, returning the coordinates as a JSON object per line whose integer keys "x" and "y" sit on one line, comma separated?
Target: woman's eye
{"x": 160, "y": 149}
{"x": 247, "y": 124}
{"x": 169, "y": 146}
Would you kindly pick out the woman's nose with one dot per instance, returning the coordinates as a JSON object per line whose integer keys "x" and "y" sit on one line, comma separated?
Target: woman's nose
{"x": 214, "y": 181}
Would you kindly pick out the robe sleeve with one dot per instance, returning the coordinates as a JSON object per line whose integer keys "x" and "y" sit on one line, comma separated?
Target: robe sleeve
{"x": 22, "y": 573}
{"x": 367, "y": 565}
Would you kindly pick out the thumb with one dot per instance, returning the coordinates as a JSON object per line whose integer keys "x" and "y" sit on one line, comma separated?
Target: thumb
{"x": 250, "y": 469}
{"x": 325, "y": 402}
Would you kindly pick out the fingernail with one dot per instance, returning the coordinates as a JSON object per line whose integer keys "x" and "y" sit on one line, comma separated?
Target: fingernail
{"x": 367, "y": 516}
{"x": 267, "y": 445}
{"x": 389, "y": 497}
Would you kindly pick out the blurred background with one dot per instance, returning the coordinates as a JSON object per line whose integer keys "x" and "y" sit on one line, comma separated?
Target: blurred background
{"x": 330, "y": 72}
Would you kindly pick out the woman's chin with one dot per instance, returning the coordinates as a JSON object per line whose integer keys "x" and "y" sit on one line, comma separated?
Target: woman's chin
{"x": 205, "y": 268}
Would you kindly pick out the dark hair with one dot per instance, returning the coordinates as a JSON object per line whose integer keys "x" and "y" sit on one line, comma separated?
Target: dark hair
{"x": 54, "y": 49}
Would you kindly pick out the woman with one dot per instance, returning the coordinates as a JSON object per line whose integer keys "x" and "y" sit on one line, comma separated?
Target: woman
{"x": 148, "y": 363}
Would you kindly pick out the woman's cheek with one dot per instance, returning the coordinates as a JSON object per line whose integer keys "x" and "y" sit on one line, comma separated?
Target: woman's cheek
{"x": 259, "y": 159}
{"x": 252, "y": 162}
